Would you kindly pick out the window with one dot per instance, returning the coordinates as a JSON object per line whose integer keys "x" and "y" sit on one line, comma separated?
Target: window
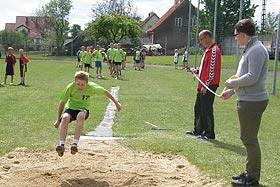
{"x": 178, "y": 22}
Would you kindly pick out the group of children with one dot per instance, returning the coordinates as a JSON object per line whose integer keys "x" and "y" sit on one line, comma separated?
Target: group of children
{"x": 10, "y": 61}
{"x": 184, "y": 59}
{"x": 115, "y": 57}
{"x": 139, "y": 56}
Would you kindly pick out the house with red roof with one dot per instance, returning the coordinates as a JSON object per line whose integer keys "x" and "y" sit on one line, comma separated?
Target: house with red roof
{"x": 149, "y": 21}
{"x": 147, "y": 24}
{"x": 32, "y": 25}
{"x": 171, "y": 30}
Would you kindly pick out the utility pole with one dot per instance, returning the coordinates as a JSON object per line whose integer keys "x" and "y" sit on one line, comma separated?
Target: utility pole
{"x": 196, "y": 34}
{"x": 276, "y": 57}
{"x": 263, "y": 17}
{"x": 215, "y": 20}
{"x": 189, "y": 28}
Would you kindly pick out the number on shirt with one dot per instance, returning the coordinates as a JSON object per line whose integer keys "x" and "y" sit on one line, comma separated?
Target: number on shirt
{"x": 85, "y": 97}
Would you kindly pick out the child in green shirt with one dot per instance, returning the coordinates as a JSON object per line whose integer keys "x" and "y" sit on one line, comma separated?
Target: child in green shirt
{"x": 76, "y": 97}
{"x": 82, "y": 56}
{"x": 97, "y": 54}
{"x": 87, "y": 59}
{"x": 118, "y": 58}
{"x": 110, "y": 53}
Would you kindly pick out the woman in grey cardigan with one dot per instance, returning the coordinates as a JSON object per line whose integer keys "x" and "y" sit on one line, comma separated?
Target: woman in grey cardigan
{"x": 252, "y": 98}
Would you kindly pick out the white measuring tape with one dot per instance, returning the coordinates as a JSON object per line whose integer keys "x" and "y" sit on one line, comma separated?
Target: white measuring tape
{"x": 205, "y": 86}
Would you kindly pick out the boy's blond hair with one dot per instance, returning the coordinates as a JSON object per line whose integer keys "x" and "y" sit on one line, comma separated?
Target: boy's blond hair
{"x": 20, "y": 51}
{"x": 81, "y": 75}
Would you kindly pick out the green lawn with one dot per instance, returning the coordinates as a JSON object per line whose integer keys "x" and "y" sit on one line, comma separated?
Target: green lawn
{"x": 162, "y": 96}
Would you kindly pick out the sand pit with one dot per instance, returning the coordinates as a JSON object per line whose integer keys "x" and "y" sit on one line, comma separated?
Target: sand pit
{"x": 98, "y": 164}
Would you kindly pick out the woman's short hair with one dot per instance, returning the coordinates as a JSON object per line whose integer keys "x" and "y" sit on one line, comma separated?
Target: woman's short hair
{"x": 245, "y": 26}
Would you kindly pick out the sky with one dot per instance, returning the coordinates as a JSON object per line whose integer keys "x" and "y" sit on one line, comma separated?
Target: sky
{"x": 81, "y": 11}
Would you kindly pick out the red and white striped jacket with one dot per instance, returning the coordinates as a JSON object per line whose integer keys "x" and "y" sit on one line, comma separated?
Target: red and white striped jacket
{"x": 210, "y": 68}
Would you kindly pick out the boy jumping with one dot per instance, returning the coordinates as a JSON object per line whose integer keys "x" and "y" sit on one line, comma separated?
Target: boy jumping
{"x": 76, "y": 96}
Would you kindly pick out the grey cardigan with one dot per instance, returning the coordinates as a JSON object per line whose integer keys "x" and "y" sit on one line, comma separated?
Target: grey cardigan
{"x": 252, "y": 72}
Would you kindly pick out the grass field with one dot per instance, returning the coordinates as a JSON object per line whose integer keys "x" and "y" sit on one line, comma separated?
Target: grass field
{"x": 162, "y": 96}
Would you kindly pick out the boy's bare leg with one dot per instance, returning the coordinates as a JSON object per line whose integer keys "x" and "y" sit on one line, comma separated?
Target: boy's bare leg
{"x": 65, "y": 120}
{"x": 80, "y": 123}
{"x": 78, "y": 131}
{"x": 117, "y": 67}
{"x": 112, "y": 69}
{"x": 5, "y": 79}
{"x": 100, "y": 69}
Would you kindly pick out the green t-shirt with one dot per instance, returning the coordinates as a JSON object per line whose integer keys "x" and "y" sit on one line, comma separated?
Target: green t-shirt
{"x": 118, "y": 55}
{"x": 98, "y": 55}
{"x": 80, "y": 100}
{"x": 87, "y": 58}
{"x": 137, "y": 55}
{"x": 110, "y": 53}
{"x": 82, "y": 55}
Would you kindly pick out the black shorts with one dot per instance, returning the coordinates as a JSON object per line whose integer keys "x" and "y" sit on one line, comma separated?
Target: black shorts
{"x": 74, "y": 113}
{"x": 110, "y": 61}
{"x": 118, "y": 63}
{"x": 87, "y": 65}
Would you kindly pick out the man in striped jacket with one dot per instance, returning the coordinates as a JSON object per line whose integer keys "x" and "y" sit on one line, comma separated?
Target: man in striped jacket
{"x": 209, "y": 73}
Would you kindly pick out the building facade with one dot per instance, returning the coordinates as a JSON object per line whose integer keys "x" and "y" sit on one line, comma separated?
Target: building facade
{"x": 171, "y": 30}
{"x": 33, "y": 26}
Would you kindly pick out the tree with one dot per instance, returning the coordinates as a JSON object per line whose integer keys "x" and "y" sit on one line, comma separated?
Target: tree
{"x": 74, "y": 30}
{"x": 227, "y": 16}
{"x": 56, "y": 12}
{"x": 12, "y": 39}
{"x": 109, "y": 7}
{"x": 271, "y": 23}
{"x": 113, "y": 28}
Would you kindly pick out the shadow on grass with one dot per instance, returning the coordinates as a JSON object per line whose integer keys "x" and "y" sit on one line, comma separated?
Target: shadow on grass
{"x": 234, "y": 148}
{"x": 14, "y": 85}
{"x": 27, "y": 85}
{"x": 87, "y": 182}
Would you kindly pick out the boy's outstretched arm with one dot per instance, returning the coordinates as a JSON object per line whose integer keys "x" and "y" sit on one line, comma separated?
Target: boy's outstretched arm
{"x": 59, "y": 113}
{"x": 108, "y": 94}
